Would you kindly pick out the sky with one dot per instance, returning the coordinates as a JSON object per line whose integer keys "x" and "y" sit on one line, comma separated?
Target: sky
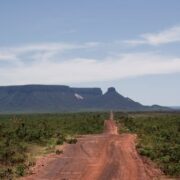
{"x": 130, "y": 45}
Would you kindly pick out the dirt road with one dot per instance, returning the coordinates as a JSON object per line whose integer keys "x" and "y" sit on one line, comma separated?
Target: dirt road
{"x": 107, "y": 156}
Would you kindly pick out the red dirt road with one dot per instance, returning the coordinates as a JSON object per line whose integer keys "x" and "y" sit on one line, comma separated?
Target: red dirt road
{"x": 108, "y": 156}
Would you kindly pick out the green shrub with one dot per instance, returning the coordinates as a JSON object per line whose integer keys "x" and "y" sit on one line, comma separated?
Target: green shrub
{"x": 71, "y": 141}
{"x": 20, "y": 170}
{"x": 59, "y": 151}
{"x": 59, "y": 141}
{"x": 6, "y": 173}
{"x": 18, "y": 158}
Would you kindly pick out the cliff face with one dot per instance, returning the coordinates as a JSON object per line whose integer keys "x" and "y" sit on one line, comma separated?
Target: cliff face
{"x": 115, "y": 101}
{"x": 88, "y": 92}
{"x": 35, "y": 98}
{"x": 56, "y": 98}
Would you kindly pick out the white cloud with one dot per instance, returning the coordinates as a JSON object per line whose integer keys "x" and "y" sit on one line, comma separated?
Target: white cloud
{"x": 77, "y": 70}
{"x": 44, "y": 49}
{"x": 46, "y": 67}
{"x": 7, "y": 56}
{"x": 164, "y": 37}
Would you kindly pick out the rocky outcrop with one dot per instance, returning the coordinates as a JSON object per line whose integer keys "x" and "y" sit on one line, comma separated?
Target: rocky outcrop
{"x": 58, "y": 98}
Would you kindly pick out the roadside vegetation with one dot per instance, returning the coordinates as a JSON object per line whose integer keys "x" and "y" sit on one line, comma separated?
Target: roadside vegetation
{"x": 158, "y": 137}
{"x": 23, "y": 137}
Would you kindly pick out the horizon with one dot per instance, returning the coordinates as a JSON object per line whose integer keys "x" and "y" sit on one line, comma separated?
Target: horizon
{"x": 132, "y": 46}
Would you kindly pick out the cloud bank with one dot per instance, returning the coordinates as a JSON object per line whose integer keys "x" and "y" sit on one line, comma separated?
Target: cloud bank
{"x": 164, "y": 37}
{"x": 45, "y": 67}
{"x": 50, "y": 63}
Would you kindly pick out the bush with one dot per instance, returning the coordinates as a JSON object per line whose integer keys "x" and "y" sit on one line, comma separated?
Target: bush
{"x": 18, "y": 158}
{"x": 60, "y": 141}
{"x": 71, "y": 141}
{"x": 59, "y": 151}
{"x": 20, "y": 170}
{"x": 145, "y": 151}
{"x": 31, "y": 162}
{"x": 6, "y": 173}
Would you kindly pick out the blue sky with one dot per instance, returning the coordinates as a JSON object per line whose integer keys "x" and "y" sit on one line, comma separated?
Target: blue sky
{"x": 131, "y": 45}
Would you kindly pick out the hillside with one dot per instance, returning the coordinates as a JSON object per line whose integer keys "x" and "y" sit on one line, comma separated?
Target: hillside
{"x": 58, "y": 98}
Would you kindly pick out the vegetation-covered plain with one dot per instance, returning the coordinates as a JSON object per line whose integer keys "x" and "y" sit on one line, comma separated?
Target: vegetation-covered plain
{"x": 22, "y": 135}
{"x": 158, "y": 137}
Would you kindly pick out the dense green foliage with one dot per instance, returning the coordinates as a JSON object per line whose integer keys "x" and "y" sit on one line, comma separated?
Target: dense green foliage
{"x": 18, "y": 133}
{"x": 159, "y": 138}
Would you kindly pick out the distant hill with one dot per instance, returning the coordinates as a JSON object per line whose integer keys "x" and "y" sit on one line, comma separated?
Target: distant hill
{"x": 175, "y": 107}
{"x": 58, "y": 98}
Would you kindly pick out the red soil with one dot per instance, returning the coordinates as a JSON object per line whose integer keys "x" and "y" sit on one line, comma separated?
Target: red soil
{"x": 107, "y": 156}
